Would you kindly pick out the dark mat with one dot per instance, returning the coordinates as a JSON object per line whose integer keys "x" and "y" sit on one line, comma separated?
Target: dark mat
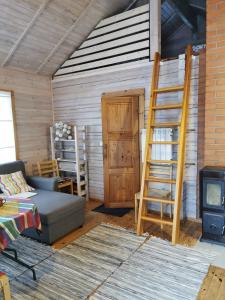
{"x": 116, "y": 212}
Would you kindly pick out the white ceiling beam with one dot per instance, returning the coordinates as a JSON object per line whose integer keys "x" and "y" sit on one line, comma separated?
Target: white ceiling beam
{"x": 52, "y": 52}
{"x": 26, "y": 30}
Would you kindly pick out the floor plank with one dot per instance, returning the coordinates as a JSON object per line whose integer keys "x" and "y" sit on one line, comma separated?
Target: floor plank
{"x": 190, "y": 231}
{"x": 213, "y": 287}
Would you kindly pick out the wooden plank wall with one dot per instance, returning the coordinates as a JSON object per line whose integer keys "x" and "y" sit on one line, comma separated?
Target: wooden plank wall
{"x": 33, "y": 108}
{"x": 120, "y": 39}
{"x": 79, "y": 101}
{"x": 201, "y": 115}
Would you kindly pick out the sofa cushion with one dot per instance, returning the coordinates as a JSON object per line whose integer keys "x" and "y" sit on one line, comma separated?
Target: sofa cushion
{"x": 12, "y": 167}
{"x": 54, "y": 206}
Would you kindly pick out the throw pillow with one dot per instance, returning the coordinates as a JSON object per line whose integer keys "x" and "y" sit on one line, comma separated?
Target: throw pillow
{"x": 21, "y": 182}
{"x": 14, "y": 183}
{"x": 8, "y": 185}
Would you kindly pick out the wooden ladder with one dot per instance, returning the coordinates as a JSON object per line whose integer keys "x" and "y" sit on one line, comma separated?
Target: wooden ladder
{"x": 147, "y": 177}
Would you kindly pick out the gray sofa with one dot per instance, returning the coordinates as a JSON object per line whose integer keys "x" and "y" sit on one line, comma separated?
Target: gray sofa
{"x": 60, "y": 213}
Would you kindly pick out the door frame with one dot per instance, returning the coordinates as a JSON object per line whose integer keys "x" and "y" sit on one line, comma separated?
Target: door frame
{"x": 140, "y": 93}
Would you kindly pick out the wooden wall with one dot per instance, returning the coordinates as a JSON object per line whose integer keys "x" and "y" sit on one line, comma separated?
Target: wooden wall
{"x": 120, "y": 39}
{"x": 33, "y": 108}
{"x": 78, "y": 101}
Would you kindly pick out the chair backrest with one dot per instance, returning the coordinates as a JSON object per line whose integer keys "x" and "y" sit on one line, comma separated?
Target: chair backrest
{"x": 48, "y": 168}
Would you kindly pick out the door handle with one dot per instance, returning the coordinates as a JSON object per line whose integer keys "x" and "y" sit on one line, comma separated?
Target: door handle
{"x": 213, "y": 226}
{"x": 105, "y": 151}
{"x": 223, "y": 230}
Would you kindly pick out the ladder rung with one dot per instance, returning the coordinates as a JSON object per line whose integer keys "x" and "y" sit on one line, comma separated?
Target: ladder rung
{"x": 159, "y": 200}
{"x": 157, "y": 220}
{"x": 164, "y": 142}
{"x": 159, "y": 179}
{"x": 172, "y": 106}
{"x": 164, "y": 125}
{"x": 169, "y": 89}
{"x": 159, "y": 172}
{"x": 157, "y": 161}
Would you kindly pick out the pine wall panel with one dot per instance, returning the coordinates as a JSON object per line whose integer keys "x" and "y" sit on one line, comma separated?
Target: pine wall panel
{"x": 33, "y": 109}
{"x": 78, "y": 101}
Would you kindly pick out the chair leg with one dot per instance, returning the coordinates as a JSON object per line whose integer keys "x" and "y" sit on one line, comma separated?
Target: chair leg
{"x": 136, "y": 208}
{"x": 5, "y": 287}
{"x": 71, "y": 187}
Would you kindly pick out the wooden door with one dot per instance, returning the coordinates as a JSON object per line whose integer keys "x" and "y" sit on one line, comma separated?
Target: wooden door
{"x": 120, "y": 120}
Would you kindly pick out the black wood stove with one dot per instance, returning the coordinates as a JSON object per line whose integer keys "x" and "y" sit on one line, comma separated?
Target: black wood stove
{"x": 212, "y": 198}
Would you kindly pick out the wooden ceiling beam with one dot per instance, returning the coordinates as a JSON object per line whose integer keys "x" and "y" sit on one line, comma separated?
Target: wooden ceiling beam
{"x": 26, "y": 30}
{"x": 131, "y": 4}
{"x": 52, "y": 52}
{"x": 183, "y": 9}
{"x": 199, "y": 4}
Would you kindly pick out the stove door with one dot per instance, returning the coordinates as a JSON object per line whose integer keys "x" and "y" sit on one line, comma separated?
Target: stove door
{"x": 213, "y": 223}
{"x": 213, "y": 194}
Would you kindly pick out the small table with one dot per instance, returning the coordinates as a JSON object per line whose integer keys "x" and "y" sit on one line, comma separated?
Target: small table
{"x": 4, "y": 286}
{"x": 16, "y": 215}
{"x": 65, "y": 182}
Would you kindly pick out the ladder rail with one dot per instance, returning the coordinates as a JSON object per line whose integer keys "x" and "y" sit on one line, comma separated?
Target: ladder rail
{"x": 182, "y": 147}
{"x": 181, "y": 142}
{"x": 150, "y": 130}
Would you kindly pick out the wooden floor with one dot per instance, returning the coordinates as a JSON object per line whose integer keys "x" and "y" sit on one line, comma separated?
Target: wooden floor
{"x": 213, "y": 287}
{"x": 190, "y": 231}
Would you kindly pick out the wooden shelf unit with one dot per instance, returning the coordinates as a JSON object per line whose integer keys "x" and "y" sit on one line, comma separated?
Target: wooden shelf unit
{"x": 72, "y": 158}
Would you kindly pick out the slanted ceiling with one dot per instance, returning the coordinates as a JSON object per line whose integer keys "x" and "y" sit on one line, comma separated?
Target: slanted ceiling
{"x": 37, "y": 36}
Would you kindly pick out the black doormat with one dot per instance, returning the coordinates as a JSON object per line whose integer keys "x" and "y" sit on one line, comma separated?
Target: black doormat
{"x": 117, "y": 212}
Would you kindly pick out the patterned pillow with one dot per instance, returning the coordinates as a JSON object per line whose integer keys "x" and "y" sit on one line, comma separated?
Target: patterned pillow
{"x": 14, "y": 183}
{"x": 8, "y": 185}
{"x": 21, "y": 182}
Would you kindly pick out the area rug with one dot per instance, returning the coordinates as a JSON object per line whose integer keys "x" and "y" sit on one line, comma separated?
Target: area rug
{"x": 77, "y": 270}
{"x": 116, "y": 212}
{"x": 157, "y": 271}
{"x": 108, "y": 262}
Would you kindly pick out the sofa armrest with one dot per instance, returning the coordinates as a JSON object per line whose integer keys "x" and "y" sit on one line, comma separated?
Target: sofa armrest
{"x": 38, "y": 182}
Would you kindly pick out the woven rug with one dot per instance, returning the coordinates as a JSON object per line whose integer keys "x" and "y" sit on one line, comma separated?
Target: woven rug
{"x": 157, "y": 271}
{"x": 74, "y": 272}
{"x": 108, "y": 263}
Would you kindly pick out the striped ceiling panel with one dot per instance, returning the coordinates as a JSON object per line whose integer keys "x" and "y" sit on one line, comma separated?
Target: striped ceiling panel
{"x": 120, "y": 39}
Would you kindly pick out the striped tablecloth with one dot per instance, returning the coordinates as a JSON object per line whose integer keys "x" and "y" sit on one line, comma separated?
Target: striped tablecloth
{"x": 15, "y": 216}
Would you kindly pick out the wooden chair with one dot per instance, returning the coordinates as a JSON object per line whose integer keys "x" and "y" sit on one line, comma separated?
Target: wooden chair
{"x": 49, "y": 168}
{"x": 4, "y": 286}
